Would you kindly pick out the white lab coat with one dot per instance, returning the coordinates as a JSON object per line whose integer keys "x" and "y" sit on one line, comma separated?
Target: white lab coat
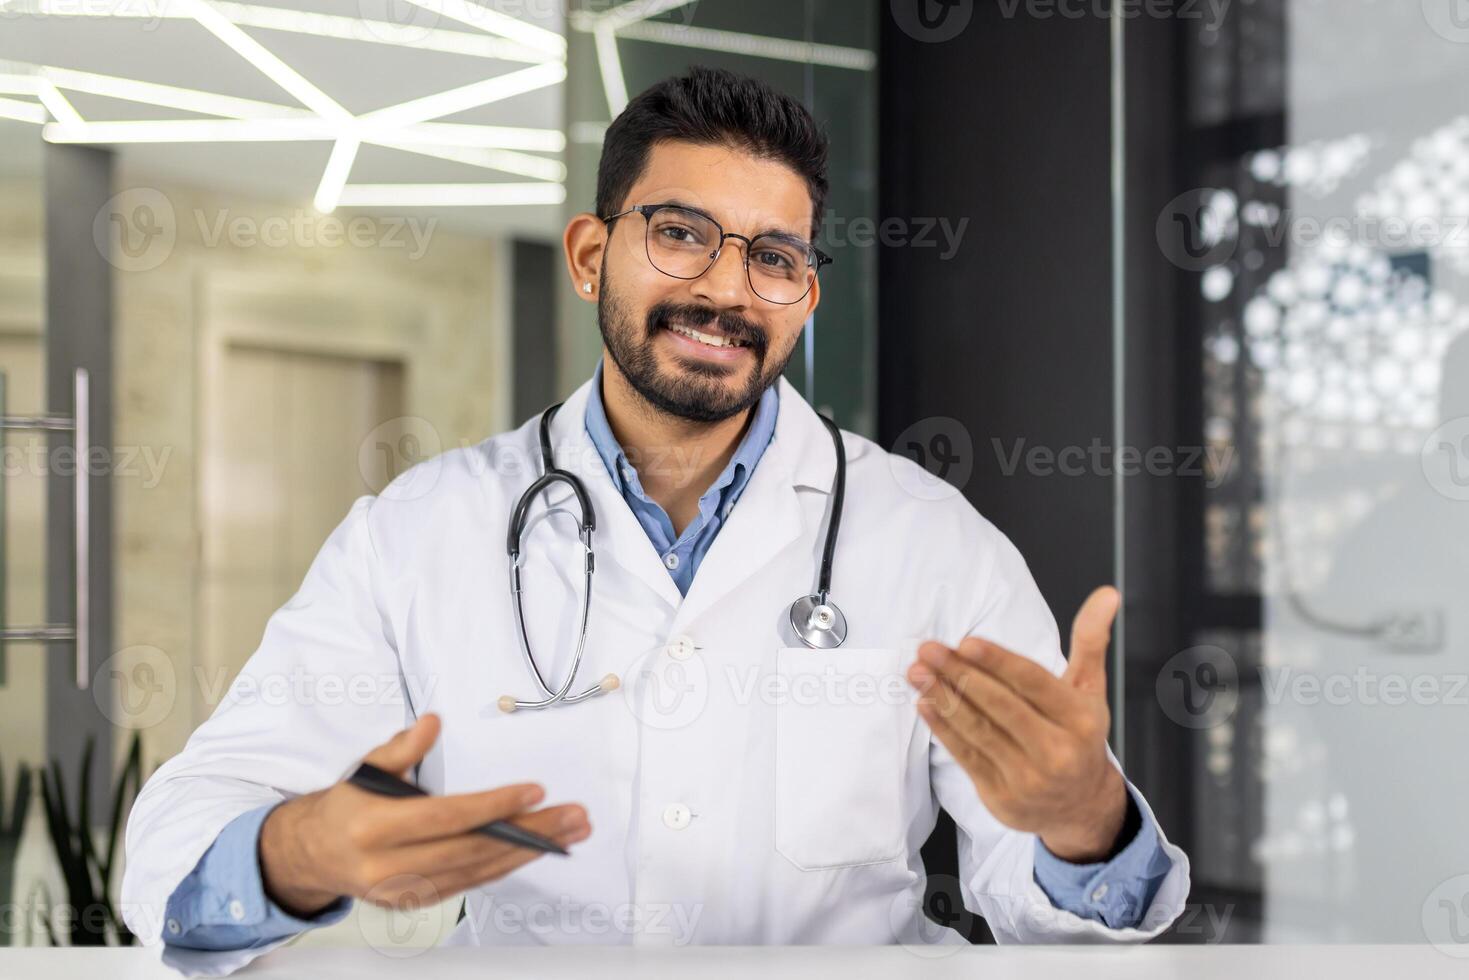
{"x": 742, "y": 788}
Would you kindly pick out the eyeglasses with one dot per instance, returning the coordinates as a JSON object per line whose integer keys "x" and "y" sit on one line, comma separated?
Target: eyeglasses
{"x": 685, "y": 244}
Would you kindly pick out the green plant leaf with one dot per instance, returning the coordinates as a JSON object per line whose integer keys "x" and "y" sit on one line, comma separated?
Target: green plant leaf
{"x": 132, "y": 773}
{"x": 22, "y": 802}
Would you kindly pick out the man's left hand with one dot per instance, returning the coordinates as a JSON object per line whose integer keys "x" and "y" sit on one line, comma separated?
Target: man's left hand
{"x": 1034, "y": 744}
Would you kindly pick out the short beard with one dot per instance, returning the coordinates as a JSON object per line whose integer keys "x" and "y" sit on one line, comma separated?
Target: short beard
{"x": 696, "y": 395}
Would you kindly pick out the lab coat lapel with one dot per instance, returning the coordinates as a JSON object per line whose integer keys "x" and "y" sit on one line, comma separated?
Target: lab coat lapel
{"x": 618, "y": 537}
{"x": 768, "y": 516}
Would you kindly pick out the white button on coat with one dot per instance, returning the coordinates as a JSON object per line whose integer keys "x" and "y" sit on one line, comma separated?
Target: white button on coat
{"x": 237, "y": 910}
{"x": 676, "y": 816}
{"x": 681, "y": 647}
{"x": 801, "y": 762}
{"x": 1100, "y": 892}
{"x": 671, "y": 560}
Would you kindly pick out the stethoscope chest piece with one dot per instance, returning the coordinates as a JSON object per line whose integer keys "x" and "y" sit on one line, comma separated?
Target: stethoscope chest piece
{"x": 819, "y": 624}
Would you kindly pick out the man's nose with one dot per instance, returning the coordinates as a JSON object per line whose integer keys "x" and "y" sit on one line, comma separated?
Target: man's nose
{"x": 726, "y": 285}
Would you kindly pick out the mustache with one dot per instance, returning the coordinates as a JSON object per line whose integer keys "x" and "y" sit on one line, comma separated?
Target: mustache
{"x": 731, "y": 324}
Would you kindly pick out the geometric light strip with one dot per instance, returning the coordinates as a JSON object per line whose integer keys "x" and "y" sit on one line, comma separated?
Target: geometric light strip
{"x": 451, "y": 195}
{"x": 406, "y": 126}
{"x": 20, "y": 111}
{"x": 484, "y": 18}
{"x": 734, "y": 42}
{"x": 609, "y": 63}
{"x": 631, "y": 20}
{"x": 409, "y": 126}
{"x": 165, "y": 96}
{"x": 216, "y": 23}
{"x": 309, "y": 23}
{"x": 469, "y": 96}
{"x": 334, "y": 178}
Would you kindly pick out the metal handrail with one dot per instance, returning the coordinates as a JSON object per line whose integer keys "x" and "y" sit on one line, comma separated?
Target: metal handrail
{"x": 79, "y": 425}
{"x": 52, "y": 423}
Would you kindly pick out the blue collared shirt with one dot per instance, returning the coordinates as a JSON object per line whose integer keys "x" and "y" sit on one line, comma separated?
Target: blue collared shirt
{"x": 222, "y": 904}
{"x": 681, "y": 553}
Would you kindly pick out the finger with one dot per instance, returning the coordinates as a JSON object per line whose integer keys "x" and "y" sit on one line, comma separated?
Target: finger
{"x": 971, "y": 758}
{"x": 968, "y": 721}
{"x": 462, "y": 879}
{"x": 1091, "y": 633}
{"x": 429, "y": 858}
{"x": 1011, "y": 713}
{"x": 1052, "y": 696}
{"x": 407, "y": 748}
{"x": 401, "y": 821}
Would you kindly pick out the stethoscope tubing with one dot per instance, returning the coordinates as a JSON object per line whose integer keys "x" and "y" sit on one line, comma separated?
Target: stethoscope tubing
{"x": 551, "y": 475}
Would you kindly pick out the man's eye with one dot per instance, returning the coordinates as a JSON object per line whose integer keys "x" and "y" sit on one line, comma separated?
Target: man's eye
{"x": 775, "y": 260}
{"x": 677, "y": 234}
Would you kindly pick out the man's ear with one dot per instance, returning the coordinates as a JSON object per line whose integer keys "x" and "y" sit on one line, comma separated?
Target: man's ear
{"x": 813, "y": 298}
{"x": 585, "y": 243}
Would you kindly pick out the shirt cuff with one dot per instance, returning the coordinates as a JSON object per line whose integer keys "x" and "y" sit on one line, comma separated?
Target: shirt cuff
{"x": 222, "y": 904}
{"x": 1116, "y": 893}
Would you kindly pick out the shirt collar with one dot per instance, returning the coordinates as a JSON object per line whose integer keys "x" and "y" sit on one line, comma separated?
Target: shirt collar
{"x": 735, "y": 474}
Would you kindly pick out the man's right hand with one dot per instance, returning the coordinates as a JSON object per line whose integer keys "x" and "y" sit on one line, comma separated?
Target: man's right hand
{"x": 347, "y": 841}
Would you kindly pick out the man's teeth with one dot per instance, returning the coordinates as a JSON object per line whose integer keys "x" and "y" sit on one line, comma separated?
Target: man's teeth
{"x": 704, "y": 338}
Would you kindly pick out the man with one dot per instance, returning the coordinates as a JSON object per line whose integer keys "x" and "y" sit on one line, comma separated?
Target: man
{"x": 732, "y": 785}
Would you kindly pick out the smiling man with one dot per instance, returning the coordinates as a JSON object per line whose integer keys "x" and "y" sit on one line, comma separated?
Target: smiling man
{"x": 735, "y": 768}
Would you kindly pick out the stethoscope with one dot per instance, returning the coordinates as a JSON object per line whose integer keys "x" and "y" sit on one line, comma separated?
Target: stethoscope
{"x": 815, "y": 618}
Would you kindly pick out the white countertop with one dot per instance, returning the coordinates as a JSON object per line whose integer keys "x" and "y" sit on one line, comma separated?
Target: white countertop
{"x": 772, "y": 962}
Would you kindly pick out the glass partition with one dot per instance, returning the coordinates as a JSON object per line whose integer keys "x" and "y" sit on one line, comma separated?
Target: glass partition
{"x": 1303, "y": 696}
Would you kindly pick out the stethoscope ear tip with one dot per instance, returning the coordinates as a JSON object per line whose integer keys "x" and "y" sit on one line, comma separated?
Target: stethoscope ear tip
{"x": 507, "y": 704}
{"x": 610, "y": 683}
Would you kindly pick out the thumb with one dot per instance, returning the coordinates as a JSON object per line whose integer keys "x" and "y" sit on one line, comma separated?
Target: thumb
{"x": 1091, "y": 632}
{"x": 407, "y": 748}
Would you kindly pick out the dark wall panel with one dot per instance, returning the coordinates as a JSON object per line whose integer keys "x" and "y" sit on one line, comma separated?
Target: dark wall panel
{"x": 1006, "y": 126}
{"x": 535, "y": 274}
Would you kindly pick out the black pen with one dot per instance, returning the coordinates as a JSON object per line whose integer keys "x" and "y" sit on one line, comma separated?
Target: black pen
{"x": 375, "y": 780}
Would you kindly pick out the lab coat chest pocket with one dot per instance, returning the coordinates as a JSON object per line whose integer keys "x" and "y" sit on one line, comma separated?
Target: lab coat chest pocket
{"x": 843, "y": 720}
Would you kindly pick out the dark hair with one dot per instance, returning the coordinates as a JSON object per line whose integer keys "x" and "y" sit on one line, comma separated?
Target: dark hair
{"x": 712, "y": 107}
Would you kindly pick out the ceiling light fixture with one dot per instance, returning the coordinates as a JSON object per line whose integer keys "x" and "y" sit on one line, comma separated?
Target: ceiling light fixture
{"x": 486, "y": 19}
{"x": 258, "y": 55}
{"x": 450, "y": 195}
{"x": 469, "y": 96}
{"x": 334, "y": 178}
